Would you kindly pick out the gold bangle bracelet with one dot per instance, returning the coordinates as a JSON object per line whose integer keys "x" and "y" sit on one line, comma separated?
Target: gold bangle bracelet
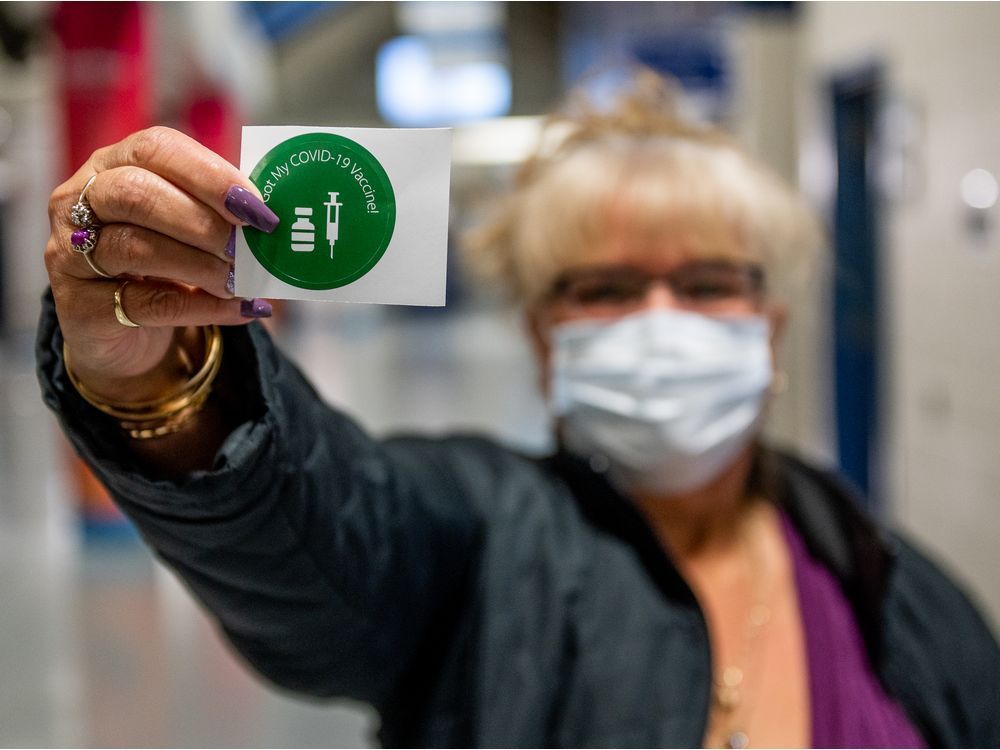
{"x": 125, "y": 410}
{"x": 153, "y": 418}
{"x": 164, "y": 426}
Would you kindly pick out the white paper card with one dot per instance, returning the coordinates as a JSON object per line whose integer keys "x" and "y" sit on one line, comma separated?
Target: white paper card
{"x": 333, "y": 190}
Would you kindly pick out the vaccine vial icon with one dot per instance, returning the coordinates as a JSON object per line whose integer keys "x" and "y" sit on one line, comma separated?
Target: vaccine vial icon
{"x": 303, "y": 231}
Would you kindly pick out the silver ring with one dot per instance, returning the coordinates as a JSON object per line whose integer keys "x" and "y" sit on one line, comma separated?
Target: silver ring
{"x": 84, "y": 240}
{"x": 120, "y": 315}
{"x": 81, "y": 214}
{"x": 96, "y": 268}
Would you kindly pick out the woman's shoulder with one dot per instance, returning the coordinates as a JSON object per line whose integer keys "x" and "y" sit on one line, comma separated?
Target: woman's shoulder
{"x": 916, "y": 571}
{"x": 836, "y": 516}
{"x": 929, "y": 637}
{"x": 925, "y": 597}
{"x": 939, "y": 650}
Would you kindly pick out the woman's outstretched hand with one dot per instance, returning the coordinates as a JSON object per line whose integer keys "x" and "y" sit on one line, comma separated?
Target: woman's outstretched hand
{"x": 164, "y": 211}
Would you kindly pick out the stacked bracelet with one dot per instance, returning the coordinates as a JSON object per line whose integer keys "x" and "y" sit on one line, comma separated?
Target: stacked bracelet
{"x": 168, "y": 414}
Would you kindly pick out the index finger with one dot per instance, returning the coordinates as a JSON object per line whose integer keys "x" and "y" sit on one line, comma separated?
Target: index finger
{"x": 195, "y": 169}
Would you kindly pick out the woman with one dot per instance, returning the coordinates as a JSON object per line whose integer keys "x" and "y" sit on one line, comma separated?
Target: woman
{"x": 661, "y": 580}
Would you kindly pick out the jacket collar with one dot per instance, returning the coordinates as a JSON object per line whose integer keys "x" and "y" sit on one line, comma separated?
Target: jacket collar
{"x": 826, "y": 512}
{"x": 840, "y": 534}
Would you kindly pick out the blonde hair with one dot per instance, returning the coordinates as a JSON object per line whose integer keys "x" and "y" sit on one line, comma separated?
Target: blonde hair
{"x": 641, "y": 173}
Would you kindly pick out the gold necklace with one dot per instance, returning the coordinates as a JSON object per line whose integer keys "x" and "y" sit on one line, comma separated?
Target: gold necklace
{"x": 729, "y": 691}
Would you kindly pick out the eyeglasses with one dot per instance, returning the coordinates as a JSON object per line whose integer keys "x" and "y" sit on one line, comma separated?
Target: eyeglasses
{"x": 710, "y": 285}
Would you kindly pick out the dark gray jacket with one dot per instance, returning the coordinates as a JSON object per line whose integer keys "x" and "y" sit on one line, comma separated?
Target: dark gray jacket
{"x": 478, "y": 597}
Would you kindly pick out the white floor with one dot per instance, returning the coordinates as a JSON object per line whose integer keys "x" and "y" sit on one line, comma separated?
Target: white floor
{"x": 100, "y": 646}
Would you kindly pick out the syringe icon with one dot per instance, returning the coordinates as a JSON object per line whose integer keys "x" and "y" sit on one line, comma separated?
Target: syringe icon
{"x": 332, "y": 220}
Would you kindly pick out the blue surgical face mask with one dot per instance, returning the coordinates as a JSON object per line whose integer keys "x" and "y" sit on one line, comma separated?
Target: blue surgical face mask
{"x": 668, "y": 398}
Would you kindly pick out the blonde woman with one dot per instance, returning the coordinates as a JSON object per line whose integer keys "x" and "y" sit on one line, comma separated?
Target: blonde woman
{"x": 663, "y": 579}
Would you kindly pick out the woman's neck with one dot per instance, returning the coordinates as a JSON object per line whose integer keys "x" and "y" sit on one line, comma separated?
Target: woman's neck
{"x": 704, "y": 521}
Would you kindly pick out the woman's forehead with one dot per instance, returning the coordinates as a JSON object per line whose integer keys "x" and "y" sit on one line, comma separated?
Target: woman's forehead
{"x": 656, "y": 218}
{"x": 662, "y": 251}
{"x": 646, "y": 213}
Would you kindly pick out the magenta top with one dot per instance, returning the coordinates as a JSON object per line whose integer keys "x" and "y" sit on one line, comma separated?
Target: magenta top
{"x": 849, "y": 707}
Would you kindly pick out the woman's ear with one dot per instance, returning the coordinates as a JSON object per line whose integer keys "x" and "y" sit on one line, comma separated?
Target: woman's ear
{"x": 777, "y": 318}
{"x": 537, "y": 324}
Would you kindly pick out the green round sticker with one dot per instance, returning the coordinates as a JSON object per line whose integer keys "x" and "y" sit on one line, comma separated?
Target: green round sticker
{"x": 336, "y": 208}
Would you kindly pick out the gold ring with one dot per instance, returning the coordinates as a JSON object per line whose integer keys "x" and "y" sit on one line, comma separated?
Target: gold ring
{"x": 119, "y": 310}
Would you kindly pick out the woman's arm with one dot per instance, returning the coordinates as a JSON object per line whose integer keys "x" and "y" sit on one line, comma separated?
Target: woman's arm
{"x": 324, "y": 556}
{"x": 323, "y": 559}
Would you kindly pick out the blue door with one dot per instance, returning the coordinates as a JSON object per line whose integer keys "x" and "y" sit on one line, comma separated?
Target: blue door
{"x": 857, "y": 296}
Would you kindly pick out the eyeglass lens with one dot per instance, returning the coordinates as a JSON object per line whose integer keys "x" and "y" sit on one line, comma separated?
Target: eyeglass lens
{"x": 696, "y": 284}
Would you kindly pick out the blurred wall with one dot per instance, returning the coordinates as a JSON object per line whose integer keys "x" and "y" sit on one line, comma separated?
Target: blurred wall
{"x": 767, "y": 50}
{"x": 29, "y": 155}
{"x": 326, "y": 73}
{"x": 942, "y": 279}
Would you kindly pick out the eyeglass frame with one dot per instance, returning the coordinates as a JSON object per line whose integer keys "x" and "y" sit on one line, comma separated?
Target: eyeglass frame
{"x": 753, "y": 276}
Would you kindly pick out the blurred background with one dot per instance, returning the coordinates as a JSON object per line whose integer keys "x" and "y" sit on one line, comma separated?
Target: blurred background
{"x": 885, "y": 115}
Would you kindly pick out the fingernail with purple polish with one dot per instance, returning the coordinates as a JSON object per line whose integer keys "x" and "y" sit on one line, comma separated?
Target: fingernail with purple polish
{"x": 231, "y": 280}
{"x": 255, "y": 308}
{"x": 247, "y": 207}
{"x": 231, "y": 244}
